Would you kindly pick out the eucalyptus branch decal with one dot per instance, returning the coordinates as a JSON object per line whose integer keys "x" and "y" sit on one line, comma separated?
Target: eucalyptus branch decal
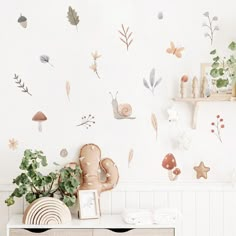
{"x": 125, "y": 36}
{"x": 21, "y": 85}
{"x": 87, "y": 121}
{"x": 73, "y": 17}
{"x": 211, "y": 28}
{"x": 152, "y": 82}
{"x": 45, "y": 59}
{"x": 94, "y": 66}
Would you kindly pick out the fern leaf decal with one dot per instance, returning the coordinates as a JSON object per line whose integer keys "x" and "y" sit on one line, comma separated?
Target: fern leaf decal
{"x": 154, "y": 123}
{"x": 152, "y": 81}
{"x": 130, "y": 158}
{"x": 68, "y": 89}
{"x": 126, "y": 36}
{"x": 21, "y": 85}
{"x": 73, "y": 17}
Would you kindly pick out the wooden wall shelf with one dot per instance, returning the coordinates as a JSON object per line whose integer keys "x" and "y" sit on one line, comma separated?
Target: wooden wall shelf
{"x": 195, "y": 102}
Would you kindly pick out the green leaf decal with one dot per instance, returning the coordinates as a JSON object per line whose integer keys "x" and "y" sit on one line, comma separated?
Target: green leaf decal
{"x": 232, "y": 46}
{"x": 73, "y": 16}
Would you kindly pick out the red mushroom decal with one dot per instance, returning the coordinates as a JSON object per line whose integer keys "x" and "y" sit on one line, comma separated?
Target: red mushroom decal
{"x": 169, "y": 163}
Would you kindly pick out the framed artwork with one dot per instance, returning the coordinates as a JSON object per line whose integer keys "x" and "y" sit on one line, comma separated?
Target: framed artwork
{"x": 212, "y": 82}
{"x": 88, "y": 204}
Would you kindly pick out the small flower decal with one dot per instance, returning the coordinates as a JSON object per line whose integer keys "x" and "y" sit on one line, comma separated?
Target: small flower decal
{"x": 217, "y": 126}
{"x": 94, "y": 66}
{"x": 13, "y": 144}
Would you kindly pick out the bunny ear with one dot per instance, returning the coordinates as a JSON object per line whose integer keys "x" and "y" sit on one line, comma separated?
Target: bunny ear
{"x": 116, "y": 94}
{"x": 111, "y": 95}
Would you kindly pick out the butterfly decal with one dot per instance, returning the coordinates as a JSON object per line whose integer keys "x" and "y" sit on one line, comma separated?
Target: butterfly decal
{"x": 174, "y": 50}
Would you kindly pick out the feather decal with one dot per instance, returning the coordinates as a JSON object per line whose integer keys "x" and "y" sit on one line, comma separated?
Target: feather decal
{"x": 154, "y": 123}
{"x": 68, "y": 89}
{"x": 130, "y": 158}
{"x": 73, "y": 17}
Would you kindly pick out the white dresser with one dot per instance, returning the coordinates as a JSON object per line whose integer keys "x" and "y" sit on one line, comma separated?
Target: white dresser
{"x": 107, "y": 225}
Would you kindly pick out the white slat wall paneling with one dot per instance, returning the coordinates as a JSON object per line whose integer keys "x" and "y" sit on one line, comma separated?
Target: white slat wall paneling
{"x": 132, "y": 200}
{"x": 117, "y": 202}
{"x": 229, "y": 214}
{"x": 161, "y": 199}
{"x": 202, "y": 213}
{"x": 216, "y": 213}
{"x": 105, "y": 202}
{"x": 146, "y": 200}
{"x": 189, "y": 209}
{"x": 4, "y": 213}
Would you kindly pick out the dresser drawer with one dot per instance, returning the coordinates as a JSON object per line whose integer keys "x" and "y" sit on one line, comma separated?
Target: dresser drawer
{"x": 134, "y": 232}
{"x": 51, "y": 232}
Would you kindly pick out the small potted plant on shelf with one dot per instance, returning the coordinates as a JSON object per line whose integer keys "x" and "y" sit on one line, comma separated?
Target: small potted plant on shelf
{"x": 223, "y": 70}
{"x": 33, "y": 184}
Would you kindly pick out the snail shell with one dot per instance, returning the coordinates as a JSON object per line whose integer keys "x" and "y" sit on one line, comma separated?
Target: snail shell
{"x": 125, "y": 109}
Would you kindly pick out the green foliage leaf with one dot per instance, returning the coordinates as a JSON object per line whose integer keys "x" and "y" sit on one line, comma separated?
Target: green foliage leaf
{"x": 69, "y": 200}
{"x": 215, "y": 65}
{"x": 9, "y": 201}
{"x": 213, "y": 52}
{"x": 30, "y": 197}
{"x": 232, "y": 46}
{"x": 214, "y": 73}
{"x": 72, "y": 16}
{"x": 220, "y": 83}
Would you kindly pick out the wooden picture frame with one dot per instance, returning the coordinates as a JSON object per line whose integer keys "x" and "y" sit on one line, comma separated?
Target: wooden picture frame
{"x": 88, "y": 204}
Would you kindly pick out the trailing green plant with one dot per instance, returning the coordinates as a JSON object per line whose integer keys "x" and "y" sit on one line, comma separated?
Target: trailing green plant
{"x": 224, "y": 69}
{"x": 33, "y": 184}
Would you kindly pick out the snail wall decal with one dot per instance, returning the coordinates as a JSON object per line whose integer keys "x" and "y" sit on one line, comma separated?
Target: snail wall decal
{"x": 121, "y": 111}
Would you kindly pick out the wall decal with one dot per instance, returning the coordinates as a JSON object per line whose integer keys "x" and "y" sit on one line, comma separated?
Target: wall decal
{"x": 183, "y": 86}
{"x": 210, "y": 27}
{"x": 68, "y": 89}
{"x": 152, "y": 81}
{"x": 13, "y": 144}
{"x": 21, "y": 85}
{"x": 64, "y": 152}
{"x": 195, "y": 87}
{"x": 73, "y": 17}
{"x": 169, "y": 163}
{"x": 45, "y": 59}
{"x": 184, "y": 141}
{"x": 217, "y": 126}
{"x": 154, "y": 123}
{"x": 121, "y": 111}
{"x": 160, "y": 15}
{"x": 125, "y": 36}
{"x": 201, "y": 170}
{"x": 39, "y": 117}
{"x": 174, "y": 50}
{"x": 22, "y": 20}
{"x": 87, "y": 121}
{"x": 130, "y": 157}
{"x": 94, "y": 66}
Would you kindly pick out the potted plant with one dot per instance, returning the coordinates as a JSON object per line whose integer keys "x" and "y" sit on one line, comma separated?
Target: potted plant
{"x": 33, "y": 184}
{"x": 224, "y": 69}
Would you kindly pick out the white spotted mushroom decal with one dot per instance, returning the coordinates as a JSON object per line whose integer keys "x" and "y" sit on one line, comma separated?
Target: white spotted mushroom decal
{"x": 39, "y": 117}
{"x": 169, "y": 163}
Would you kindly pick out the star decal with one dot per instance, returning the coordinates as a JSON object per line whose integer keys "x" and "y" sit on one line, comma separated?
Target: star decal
{"x": 201, "y": 170}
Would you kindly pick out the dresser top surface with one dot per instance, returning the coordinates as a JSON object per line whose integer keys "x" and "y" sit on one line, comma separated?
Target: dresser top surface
{"x": 105, "y": 221}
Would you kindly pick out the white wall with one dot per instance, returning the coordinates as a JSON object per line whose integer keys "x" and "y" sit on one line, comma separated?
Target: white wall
{"x": 49, "y": 32}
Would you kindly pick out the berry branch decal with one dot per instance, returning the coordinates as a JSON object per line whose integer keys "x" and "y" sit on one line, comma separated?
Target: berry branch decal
{"x": 21, "y": 85}
{"x": 87, "y": 121}
{"x": 211, "y": 28}
{"x": 94, "y": 66}
{"x": 217, "y": 127}
{"x": 125, "y": 36}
